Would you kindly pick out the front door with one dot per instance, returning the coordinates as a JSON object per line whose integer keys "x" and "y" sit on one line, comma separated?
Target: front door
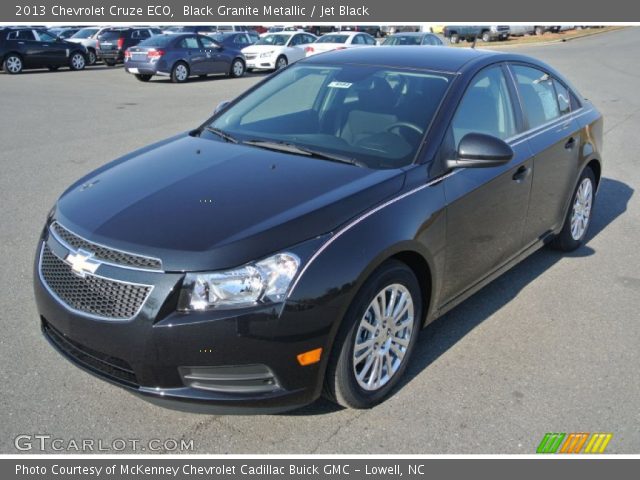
{"x": 486, "y": 207}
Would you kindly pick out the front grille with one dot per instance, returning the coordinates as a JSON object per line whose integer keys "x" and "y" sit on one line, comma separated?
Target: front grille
{"x": 250, "y": 56}
{"x": 116, "y": 257}
{"x": 90, "y": 294}
{"x": 112, "y": 367}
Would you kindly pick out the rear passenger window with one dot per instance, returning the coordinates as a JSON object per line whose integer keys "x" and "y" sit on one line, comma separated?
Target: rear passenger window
{"x": 563, "y": 96}
{"x": 21, "y": 35}
{"x": 538, "y": 95}
{"x": 189, "y": 42}
{"x": 485, "y": 108}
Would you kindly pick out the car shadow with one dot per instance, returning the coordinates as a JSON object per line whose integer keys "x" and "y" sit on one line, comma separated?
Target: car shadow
{"x": 38, "y": 71}
{"x": 445, "y": 332}
{"x": 158, "y": 80}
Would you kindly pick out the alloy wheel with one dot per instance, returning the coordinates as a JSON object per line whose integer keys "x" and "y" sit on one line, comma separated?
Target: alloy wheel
{"x": 581, "y": 209}
{"x": 238, "y": 68}
{"x": 383, "y": 336}
{"x": 77, "y": 62}
{"x": 14, "y": 64}
{"x": 181, "y": 73}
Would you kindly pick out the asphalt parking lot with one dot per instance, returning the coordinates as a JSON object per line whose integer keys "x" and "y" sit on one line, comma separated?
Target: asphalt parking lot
{"x": 552, "y": 346}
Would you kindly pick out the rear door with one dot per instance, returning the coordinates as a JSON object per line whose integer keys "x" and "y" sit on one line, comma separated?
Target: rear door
{"x": 213, "y": 57}
{"x": 191, "y": 49}
{"x": 24, "y": 42}
{"x": 486, "y": 207}
{"x": 553, "y": 135}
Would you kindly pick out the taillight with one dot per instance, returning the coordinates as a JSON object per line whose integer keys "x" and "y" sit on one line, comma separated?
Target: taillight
{"x": 309, "y": 50}
{"x": 127, "y": 54}
{"x": 120, "y": 43}
{"x": 155, "y": 53}
{"x": 97, "y": 45}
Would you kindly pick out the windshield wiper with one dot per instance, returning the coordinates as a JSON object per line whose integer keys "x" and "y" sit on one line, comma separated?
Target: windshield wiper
{"x": 222, "y": 134}
{"x": 298, "y": 150}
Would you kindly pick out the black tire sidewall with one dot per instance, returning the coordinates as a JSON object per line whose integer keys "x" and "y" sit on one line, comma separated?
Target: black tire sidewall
{"x": 345, "y": 387}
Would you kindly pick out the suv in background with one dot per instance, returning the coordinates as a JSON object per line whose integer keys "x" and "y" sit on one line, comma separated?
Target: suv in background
{"x": 486, "y": 33}
{"x": 22, "y": 48}
{"x": 112, "y": 42}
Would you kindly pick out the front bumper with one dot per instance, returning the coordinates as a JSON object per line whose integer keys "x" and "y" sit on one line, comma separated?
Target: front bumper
{"x": 261, "y": 63}
{"x": 149, "y": 353}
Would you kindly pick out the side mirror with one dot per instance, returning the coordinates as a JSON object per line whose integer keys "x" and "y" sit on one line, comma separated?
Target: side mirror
{"x": 221, "y": 106}
{"x": 477, "y": 150}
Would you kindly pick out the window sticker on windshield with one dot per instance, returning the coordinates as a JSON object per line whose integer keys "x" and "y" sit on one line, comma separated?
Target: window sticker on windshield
{"x": 339, "y": 85}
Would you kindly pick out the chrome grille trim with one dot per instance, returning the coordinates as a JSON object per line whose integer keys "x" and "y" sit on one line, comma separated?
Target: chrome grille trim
{"x": 99, "y": 285}
{"x": 107, "y": 255}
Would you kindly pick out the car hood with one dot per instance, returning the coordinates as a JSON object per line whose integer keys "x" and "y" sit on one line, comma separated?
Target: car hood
{"x": 261, "y": 48}
{"x": 202, "y": 204}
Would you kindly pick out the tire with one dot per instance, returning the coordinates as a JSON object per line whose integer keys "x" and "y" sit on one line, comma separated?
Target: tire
{"x": 454, "y": 38}
{"x": 109, "y": 63}
{"x": 361, "y": 325}
{"x": 237, "y": 68}
{"x": 281, "y": 62}
{"x": 91, "y": 57}
{"x": 486, "y": 37}
{"x": 180, "y": 72}
{"x": 203, "y": 76}
{"x": 143, "y": 77}
{"x": 539, "y": 31}
{"x": 77, "y": 61}
{"x": 576, "y": 223}
{"x": 12, "y": 64}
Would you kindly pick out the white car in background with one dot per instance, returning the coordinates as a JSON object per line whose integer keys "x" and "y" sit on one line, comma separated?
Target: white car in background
{"x": 88, "y": 37}
{"x": 340, "y": 41}
{"x": 277, "y": 50}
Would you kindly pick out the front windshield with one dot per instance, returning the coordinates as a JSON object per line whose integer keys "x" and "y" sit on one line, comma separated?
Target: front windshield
{"x": 403, "y": 40}
{"x": 333, "y": 39}
{"x": 85, "y": 33}
{"x": 375, "y": 115}
{"x": 273, "y": 40}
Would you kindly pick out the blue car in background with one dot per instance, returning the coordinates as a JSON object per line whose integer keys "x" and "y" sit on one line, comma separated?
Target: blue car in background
{"x": 180, "y": 56}
{"x": 235, "y": 39}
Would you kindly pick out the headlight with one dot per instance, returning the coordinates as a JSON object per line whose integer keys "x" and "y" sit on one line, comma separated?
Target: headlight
{"x": 263, "y": 282}
{"x": 266, "y": 54}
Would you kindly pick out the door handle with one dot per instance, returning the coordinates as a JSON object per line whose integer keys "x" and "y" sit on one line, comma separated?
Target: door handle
{"x": 570, "y": 143}
{"x": 522, "y": 173}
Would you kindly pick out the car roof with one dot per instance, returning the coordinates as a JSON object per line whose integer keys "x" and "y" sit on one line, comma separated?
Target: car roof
{"x": 438, "y": 59}
{"x": 410, "y": 34}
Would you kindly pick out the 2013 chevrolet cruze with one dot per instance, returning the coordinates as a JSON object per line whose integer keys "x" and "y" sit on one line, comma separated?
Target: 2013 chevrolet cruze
{"x": 298, "y": 240}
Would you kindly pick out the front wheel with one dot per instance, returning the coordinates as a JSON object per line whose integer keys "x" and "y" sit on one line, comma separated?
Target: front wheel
{"x": 376, "y": 339}
{"x": 237, "y": 68}
{"x": 578, "y": 219}
{"x": 77, "y": 61}
{"x": 486, "y": 37}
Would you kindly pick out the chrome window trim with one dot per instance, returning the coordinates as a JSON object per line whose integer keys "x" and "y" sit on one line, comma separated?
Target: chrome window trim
{"x": 534, "y": 132}
{"x": 80, "y": 312}
{"x": 105, "y": 262}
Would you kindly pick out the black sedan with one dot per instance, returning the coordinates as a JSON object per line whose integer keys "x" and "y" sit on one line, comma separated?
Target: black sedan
{"x": 180, "y": 56}
{"x": 299, "y": 239}
{"x": 237, "y": 40}
{"x": 24, "y": 48}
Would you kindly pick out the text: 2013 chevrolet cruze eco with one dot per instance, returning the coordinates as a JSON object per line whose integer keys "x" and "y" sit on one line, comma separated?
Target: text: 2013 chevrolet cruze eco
{"x": 298, "y": 240}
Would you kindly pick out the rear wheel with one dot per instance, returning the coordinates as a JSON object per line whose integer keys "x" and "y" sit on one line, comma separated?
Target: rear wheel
{"x": 77, "y": 61}
{"x": 539, "y": 30}
{"x": 578, "y": 219}
{"x": 486, "y": 36}
{"x": 12, "y": 64}
{"x": 376, "y": 338}
{"x": 237, "y": 68}
{"x": 454, "y": 38}
{"x": 180, "y": 73}
{"x": 281, "y": 62}
{"x": 143, "y": 77}
{"x": 109, "y": 63}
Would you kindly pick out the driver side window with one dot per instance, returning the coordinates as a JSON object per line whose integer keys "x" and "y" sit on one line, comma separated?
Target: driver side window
{"x": 485, "y": 108}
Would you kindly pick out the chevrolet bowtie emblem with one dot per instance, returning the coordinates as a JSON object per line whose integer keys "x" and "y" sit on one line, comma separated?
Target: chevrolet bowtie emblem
{"x": 82, "y": 262}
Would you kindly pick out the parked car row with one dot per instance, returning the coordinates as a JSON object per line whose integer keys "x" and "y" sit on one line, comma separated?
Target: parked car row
{"x": 489, "y": 33}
